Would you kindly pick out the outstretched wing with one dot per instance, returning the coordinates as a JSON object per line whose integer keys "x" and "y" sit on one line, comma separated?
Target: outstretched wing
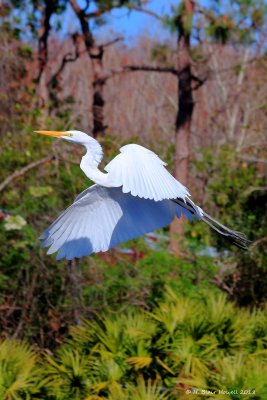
{"x": 142, "y": 173}
{"x": 101, "y": 217}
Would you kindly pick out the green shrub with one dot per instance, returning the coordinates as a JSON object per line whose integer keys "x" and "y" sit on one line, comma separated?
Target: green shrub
{"x": 18, "y": 370}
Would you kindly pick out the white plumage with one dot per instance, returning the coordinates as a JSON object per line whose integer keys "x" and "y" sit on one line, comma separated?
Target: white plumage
{"x": 102, "y": 217}
{"x": 136, "y": 196}
{"x": 142, "y": 173}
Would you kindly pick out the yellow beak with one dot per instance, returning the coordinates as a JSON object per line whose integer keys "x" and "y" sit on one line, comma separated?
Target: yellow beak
{"x": 53, "y": 133}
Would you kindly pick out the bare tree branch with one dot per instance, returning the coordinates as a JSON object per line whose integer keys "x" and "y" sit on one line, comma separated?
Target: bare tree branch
{"x": 111, "y": 42}
{"x": 76, "y": 7}
{"x": 86, "y": 6}
{"x": 253, "y": 159}
{"x": 97, "y": 13}
{"x": 145, "y": 11}
{"x": 23, "y": 171}
{"x": 69, "y": 57}
{"x": 199, "y": 81}
{"x": 135, "y": 68}
{"x": 259, "y": 241}
{"x": 130, "y": 7}
{"x": 151, "y": 68}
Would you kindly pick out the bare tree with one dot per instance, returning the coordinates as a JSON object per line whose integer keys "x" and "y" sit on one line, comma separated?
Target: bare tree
{"x": 47, "y": 9}
{"x": 96, "y": 54}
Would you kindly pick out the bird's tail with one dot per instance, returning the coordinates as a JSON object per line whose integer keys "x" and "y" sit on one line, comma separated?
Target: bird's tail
{"x": 235, "y": 237}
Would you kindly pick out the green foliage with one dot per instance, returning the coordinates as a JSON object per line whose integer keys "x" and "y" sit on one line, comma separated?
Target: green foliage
{"x": 221, "y": 29}
{"x": 67, "y": 376}
{"x": 239, "y": 24}
{"x": 161, "y": 54}
{"x": 203, "y": 344}
{"x": 13, "y": 71}
{"x": 142, "y": 282}
{"x": 18, "y": 370}
{"x": 181, "y": 344}
{"x": 233, "y": 375}
{"x": 228, "y": 185}
{"x": 144, "y": 391}
{"x": 235, "y": 203}
{"x": 181, "y": 20}
{"x": 30, "y": 10}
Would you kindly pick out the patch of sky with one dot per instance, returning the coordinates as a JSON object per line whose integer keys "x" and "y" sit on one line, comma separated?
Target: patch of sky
{"x": 128, "y": 24}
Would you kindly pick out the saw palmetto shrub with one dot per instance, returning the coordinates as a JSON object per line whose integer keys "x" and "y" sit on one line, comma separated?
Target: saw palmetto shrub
{"x": 206, "y": 345}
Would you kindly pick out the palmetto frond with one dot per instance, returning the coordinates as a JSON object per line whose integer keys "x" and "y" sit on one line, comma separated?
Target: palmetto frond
{"x": 148, "y": 390}
{"x": 231, "y": 374}
{"x": 139, "y": 326}
{"x": 128, "y": 335}
{"x": 18, "y": 371}
{"x": 68, "y": 375}
{"x": 195, "y": 334}
{"x": 173, "y": 314}
{"x": 139, "y": 362}
{"x": 257, "y": 325}
{"x": 143, "y": 390}
{"x": 181, "y": 342}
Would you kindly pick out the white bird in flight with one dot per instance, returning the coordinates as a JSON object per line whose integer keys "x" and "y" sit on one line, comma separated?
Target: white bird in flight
{"x": 137, "y": 195}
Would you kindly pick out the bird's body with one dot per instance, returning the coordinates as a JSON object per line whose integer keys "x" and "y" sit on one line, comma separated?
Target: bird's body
{"x": 135, "y": 195}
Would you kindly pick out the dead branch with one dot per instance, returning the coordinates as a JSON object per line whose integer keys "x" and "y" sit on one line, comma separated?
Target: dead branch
{"x": 97, "y": 13}
{"x": 130, "y": 7}
{"x": 145, "y": 11}
{"x": 259, "y": 241}
{"x": 150, "y": 68}
{"x": 253, "y": 159}
{"x": 5, "y": 307}
{"x": 23, "y": 171}
{"x": 86, "y": 6}
{"x": 134, "y": 68}
{"x": 199, "y": 81}
{"x": 259, "y": 189}
{"x": 69, "y": 57}
{"x": 111, "y": 42}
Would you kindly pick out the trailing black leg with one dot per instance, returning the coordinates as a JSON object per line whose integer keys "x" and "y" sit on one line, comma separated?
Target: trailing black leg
{"x": 235, "y": 237}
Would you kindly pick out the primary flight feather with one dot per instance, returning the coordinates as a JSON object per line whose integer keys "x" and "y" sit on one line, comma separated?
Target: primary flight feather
{"x": 135, "y": 196}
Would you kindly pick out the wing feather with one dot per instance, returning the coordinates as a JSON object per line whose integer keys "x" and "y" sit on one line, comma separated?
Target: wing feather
{"x": 142, "y": 173}
{"x": 78, "y": 248}
{"x": 101, "y": 217}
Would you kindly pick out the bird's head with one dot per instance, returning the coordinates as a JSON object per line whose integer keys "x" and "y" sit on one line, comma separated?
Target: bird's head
{"x": 71, "y": 136}
{"x": 92, "y": 146}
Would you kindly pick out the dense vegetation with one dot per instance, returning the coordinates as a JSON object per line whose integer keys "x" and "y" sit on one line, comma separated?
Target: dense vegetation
{"x": 181, "y": 343}
{"x": 138, "y": 322}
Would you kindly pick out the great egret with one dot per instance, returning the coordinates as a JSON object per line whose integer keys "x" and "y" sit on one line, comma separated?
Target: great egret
{"x": 137, "y": 195}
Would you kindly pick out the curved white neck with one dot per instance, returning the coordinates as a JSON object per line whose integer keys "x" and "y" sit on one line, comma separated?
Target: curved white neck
{"x": 89, "y": 165}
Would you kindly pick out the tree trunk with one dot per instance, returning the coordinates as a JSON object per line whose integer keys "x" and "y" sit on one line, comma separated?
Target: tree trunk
{"x": 184, "y": 115}
{"x": 96, "y": 56}
{"x": 47, "y": 11}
